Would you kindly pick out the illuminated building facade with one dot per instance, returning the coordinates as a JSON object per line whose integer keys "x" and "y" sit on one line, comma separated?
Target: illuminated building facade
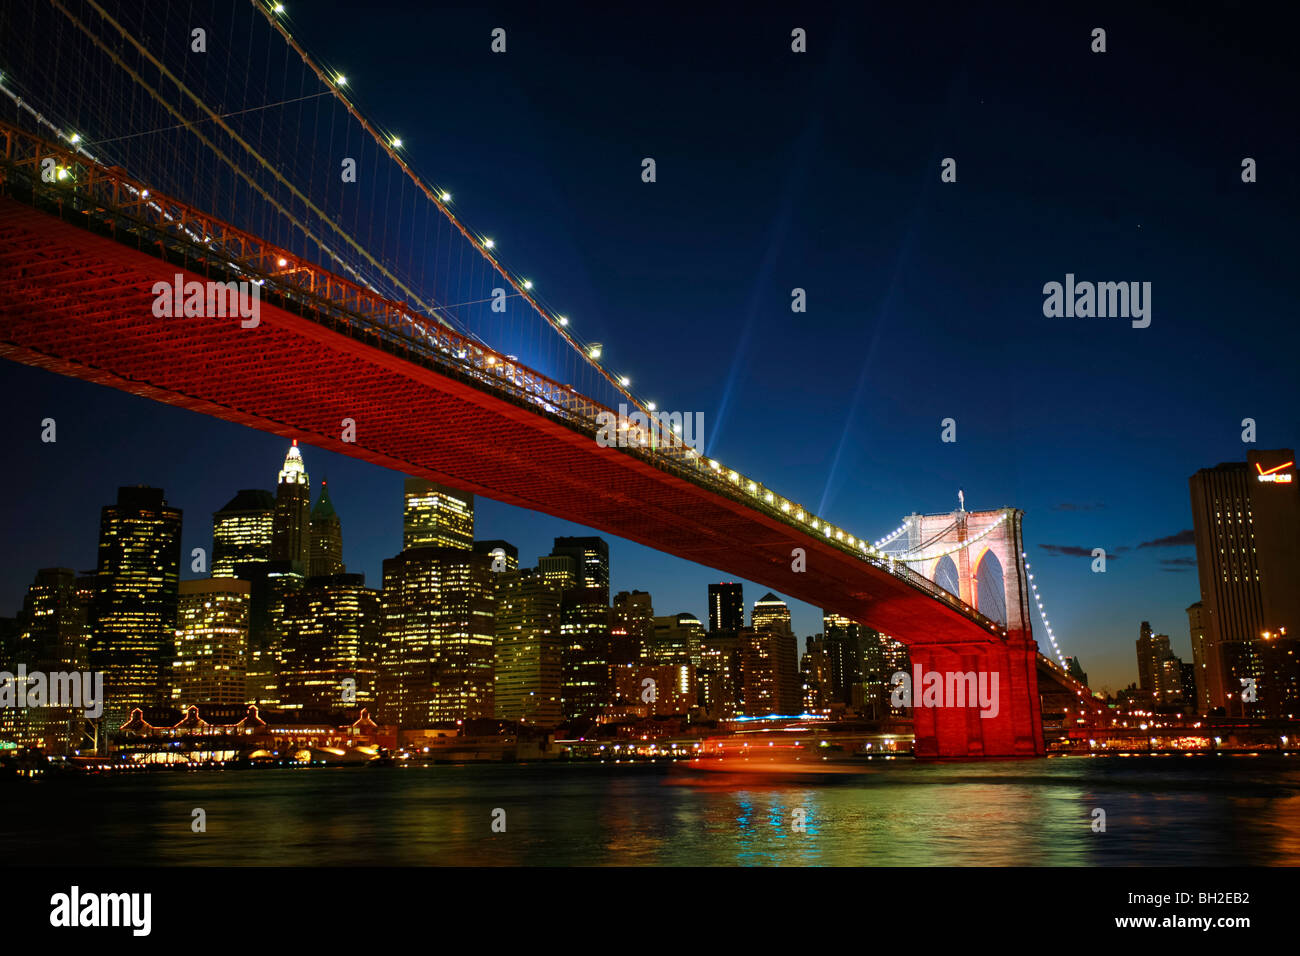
{"x": 718, "y": 676}
{"x": 241, "y": 532}
{"x": 211, "y": 642}
{"x": 585, "y": 632}
{"x": 677, "y": 640}
{"x": 559, "y": 570}
{"x": 590, "y": 560}
{"x": 769, "y": 673}
{"x": 291, "y": 520}
{"x": 439, "y": 630}
{"x": 51, "y": 634}
{"x": 632, "y": 626}
{"x": 1246, "y": 521}
{"x": 326, "y": 537}
{"x": 655, "y": 690}
{"x": 331, "y": 642}
{"x": 133, "y": 620}
{"x": 726, "y": 606}
{"x": 435, "y": 516}
{"x": 771, "y": 614}
{"x": 528, "y": 652}
{"x": 271, "y": 583}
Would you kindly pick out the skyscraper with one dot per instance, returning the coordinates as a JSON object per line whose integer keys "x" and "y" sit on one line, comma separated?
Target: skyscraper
{"x": 241, "y": 532}
{"x": 528, "y": 668}
{"x": 587, "y": 668}
{"x": 291, "y": 522}
{"x": 331, "y": 641}
{"x": 504, "y": 555}
{"x": 436, "y": 516}
{"x": 326, "y": 537}
{"x": 439, "y": 629}
{"x": 211, "y": 642}
{"x": 1152, "y": 650}
{"x": 771, "y": 614}
{"x": 272, "y": 583}
{"x": 1246, "y": 521}
{"x": 133, "y": 621}
{"x": 632, "y": 626}
{"x": 726, "y": 606}
{"x": 1200, "y": 657}
{"x": 769, "y": 673}
{"x": 590, "y": 559}
{"x": 676, "y": 640}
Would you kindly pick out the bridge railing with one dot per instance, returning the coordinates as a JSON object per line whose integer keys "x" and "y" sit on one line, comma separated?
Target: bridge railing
{"x": 66, "y": 177}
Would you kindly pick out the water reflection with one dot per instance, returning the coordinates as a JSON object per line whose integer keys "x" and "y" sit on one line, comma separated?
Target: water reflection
{"x": 1214, "y": 810}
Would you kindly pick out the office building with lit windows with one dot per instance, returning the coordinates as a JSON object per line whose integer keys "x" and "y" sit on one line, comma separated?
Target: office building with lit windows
{"x": 528, "y": 672}
{"x": 1246, "y": 523}
{"x": 331, "y": 630}
{"x": 241, "y": 532}
{"x": 770, "y": 614}
{"x": 726, "y": 606}
{"x": 133, "y": 617}
{"x": 587, "y": 667}
{"x": 211, "y": 642}
{"x": 590, "y": 560}
{"x": 439, "y": 632}
{"x": 435, "y": 516}
{"x": 632, "y": 626}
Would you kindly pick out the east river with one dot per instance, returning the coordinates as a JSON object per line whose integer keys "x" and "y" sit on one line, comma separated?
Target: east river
{"x": 1158, "y": 811}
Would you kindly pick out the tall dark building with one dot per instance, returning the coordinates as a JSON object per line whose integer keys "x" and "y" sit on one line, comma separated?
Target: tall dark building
{"x": 769, "y": 671}
{"x": 726, "y": 606}
{"x": 1200, "y": 657}
{"x": 632, "y": 626}
{"x": 326, "y": 537}
{"x": 1246, "y": 521}
{"x": 587, "y": 668}
{"x": 590, "y": 559}
{"x": 291, "y": 524}
{"x": 435, "y": 516}
{"x": 241, "y": 531}
{"x": 133, "y": 621}
{"x": 272, "y": 584}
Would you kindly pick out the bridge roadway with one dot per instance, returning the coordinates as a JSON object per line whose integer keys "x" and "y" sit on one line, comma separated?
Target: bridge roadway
{"x": 76, "y": 298}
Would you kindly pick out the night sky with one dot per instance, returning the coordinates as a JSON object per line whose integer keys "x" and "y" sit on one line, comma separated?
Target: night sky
{"x": 821, "y": 170}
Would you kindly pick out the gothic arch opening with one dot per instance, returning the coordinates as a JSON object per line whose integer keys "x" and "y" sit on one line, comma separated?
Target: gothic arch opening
{"x": 991, "y": 589}
{"x": 945, "y": 575}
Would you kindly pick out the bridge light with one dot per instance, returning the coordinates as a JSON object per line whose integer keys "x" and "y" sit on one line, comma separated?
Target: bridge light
{"x": 340, "y": 80}
{"x": 528, "y": 283}
{"x": 282, "y": 263}
{"x": 563, "y": 320}
{"x": 144, "y": 194}
{"x": 624, "y": 381}
{"x": 397, "y": 142}
{"x": 650, "y": 406}
{"x": 278, "y": 8}
{"x": 445, "y": 197}
{"x": 74, "y": 139}
{"x": 488, "y": 244}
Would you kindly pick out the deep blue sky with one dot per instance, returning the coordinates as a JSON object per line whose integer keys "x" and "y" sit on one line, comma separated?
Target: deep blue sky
{"x": 821, "y": 171}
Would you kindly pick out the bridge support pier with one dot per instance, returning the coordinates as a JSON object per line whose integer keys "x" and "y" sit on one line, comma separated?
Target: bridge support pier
{"x": 1014, "y": 728}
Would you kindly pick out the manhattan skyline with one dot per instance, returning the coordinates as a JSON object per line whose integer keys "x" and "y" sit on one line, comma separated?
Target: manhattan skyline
{"x": 924, "y": 298}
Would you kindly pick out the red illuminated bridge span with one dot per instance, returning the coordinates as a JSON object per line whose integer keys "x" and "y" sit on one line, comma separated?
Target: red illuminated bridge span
{"x": 79, "y": 257}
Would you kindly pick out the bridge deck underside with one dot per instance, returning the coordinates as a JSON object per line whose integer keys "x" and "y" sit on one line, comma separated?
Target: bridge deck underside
{"x": 80, "y": 304}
